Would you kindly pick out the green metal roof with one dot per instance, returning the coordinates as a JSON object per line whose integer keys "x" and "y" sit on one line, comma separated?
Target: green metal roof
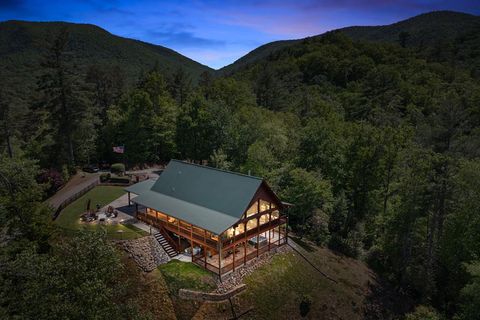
{"x": 199, "y": 216}
{"x": 209, "y": 198}
{"x": 140, "y": 187}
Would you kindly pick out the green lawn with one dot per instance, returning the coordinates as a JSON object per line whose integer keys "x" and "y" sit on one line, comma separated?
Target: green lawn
{"x": 69, "y": 218}
{"x": 186, "y": 275}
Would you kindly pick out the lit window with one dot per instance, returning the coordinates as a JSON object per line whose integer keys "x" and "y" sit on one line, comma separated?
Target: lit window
{"x": 252, "y": 210}
{"x": 251, "y": 224}
{"x": 264, "y": 205}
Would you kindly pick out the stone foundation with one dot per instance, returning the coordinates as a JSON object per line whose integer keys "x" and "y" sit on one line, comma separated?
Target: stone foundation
{"x": 205, "y": 296}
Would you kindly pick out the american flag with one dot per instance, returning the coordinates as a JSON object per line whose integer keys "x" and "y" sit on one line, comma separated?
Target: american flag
{"x": 119, "y": 149}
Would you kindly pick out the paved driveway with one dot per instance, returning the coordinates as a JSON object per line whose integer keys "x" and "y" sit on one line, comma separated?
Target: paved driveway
{"x": 74, "y": 185}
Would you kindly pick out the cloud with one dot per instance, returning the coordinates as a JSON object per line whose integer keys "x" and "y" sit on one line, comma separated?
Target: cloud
{"x": 183, "y": 39}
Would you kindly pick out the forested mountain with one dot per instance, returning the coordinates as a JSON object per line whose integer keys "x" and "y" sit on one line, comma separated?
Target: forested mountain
{"x": 259, "y": 53}
{"x": 377, "y": 144}
{"x": 23, "y": 46}
{"x": 431, "y": 31}
{"x": 423, "y": 30}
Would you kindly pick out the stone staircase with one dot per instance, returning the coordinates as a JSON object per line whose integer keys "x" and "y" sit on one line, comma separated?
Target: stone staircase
{"x": 165, "y": 245}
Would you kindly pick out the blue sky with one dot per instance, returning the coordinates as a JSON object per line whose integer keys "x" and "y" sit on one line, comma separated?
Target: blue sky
{"x": 217, "y": 33}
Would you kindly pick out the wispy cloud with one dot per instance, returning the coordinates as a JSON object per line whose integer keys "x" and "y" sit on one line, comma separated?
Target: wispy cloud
{"x": 183, "y": 39}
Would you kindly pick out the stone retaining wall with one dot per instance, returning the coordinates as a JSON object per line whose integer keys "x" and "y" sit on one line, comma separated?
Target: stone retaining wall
{"x": 146, "y": 252}
{"x": 235, "y": 278}
{"x": 205, "y": 296}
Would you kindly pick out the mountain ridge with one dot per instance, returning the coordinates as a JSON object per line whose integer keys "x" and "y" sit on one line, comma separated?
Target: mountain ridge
{"x": 462, "y": 23}
{"x": 23, "y": 43}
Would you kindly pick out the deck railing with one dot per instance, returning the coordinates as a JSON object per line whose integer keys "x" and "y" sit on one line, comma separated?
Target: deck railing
{"x": 199, "y": 259}
{"x": 206, "y": 240}
{"x": 177, "y": 229}
{"x": 254, "y": 231}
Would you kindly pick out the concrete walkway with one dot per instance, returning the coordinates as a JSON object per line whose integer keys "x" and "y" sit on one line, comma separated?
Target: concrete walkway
{"x": 74, "y": 185}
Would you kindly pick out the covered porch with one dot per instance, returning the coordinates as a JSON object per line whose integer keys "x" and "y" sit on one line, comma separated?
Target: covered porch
{"x": 239, "y": 253}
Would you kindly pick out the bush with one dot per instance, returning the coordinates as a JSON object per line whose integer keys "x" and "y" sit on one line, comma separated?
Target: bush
{"x": 305, "y": 305}
{"x": 118, "y": 168}
{"x": 375, "y": 259}
{"x": 65, "y": 173}
{"x": 52, "y": 178}
{"x": 119, "y": 180}
{"x": 423, "y": 313}
{"x": 104, "y": 177}
{"x": 342, "y": 245}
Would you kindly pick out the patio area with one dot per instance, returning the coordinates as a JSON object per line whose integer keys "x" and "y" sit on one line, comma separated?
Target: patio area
{"x": 113, "y": 213}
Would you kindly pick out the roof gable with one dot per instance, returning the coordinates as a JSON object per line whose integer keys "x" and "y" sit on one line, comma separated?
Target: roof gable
{"x": 223, "y": 191}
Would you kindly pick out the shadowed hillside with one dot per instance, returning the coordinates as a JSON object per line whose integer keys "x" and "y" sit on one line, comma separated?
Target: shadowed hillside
{"x": 23, "y": 45}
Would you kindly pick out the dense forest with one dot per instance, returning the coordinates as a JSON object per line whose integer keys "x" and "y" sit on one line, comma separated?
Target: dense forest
{"x": 377, "y": 145}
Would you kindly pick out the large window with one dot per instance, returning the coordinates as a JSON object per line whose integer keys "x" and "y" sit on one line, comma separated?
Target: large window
{"x": 264, "y": 218}
{"x": 251, "y": 224}
{"x": 239, "y": 229}
{"x": 264, "y": 205}
{"x": 253, "y": 209}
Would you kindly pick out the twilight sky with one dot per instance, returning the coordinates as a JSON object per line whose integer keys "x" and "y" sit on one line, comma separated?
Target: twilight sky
{"x": 216, "y": 32}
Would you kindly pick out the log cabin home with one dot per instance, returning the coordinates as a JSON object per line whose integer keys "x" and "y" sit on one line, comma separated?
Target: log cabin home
{"x": 222, "y": 219}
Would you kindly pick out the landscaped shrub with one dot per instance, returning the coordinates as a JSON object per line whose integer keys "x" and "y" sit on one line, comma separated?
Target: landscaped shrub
{"x": 104, "y": 177}
{"x": 124, "y": 180}
{"x": 305, "y": 305}
{"x": 118, "y": 168}
{"x": 53, "y": 179}
{"x": 65, "y": 173}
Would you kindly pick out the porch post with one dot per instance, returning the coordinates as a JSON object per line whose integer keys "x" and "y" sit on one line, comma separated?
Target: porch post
{"x": 220, "y": 256}
{"x": 245, "y": 244}
{"x": 136, "y": 210}
{"x": 258, "y": 225}
{"x": 129, "y": 202}
{"x": 205, "y": 255}
{"x": 234, "y": 245}
{"x": 205, "y": 247}
{"x": 191, "y": 239}
{"x": 269, "y": 228}
{"x": 278, "y": 235}
{"x": 286, "y": 228}
{"x": 258, "y": 234}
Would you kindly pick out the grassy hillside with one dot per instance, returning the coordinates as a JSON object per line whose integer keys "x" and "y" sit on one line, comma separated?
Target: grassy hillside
{"x": 276, "y": 290}
{"x": 23, "y": 44}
